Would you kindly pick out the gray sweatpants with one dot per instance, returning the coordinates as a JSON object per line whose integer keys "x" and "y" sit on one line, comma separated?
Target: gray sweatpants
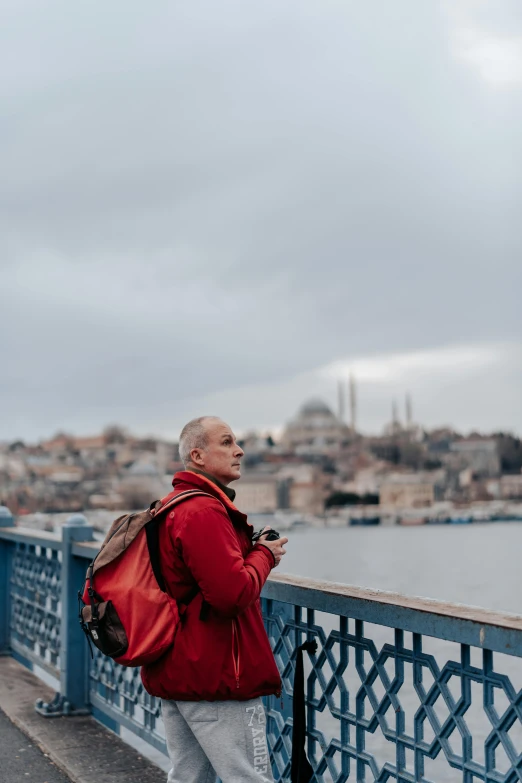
{"x": 223, "y": 738}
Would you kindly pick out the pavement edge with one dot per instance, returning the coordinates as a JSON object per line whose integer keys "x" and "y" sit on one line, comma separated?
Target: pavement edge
{"x": 80, "y": 746}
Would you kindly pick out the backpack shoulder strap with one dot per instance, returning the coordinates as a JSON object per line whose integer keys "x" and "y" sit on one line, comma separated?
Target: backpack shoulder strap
{"x": 189, "y": 493}
{"x": 152, "y": 531}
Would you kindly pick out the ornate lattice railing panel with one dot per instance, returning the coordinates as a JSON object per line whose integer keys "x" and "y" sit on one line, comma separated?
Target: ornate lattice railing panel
{"x": 400, "y": 689}
{"x": 379, "y": 711}
{"x": 35, "y": 589}
{"x": 119, "y": 693}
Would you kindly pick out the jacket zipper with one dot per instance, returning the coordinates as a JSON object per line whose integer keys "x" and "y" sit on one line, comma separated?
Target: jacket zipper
{"x": 235, "y": 651}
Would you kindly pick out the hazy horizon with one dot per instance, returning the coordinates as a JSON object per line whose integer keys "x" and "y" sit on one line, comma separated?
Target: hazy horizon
{"x": 226, "y": 207}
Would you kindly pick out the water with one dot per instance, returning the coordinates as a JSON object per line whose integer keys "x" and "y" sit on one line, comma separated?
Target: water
{"x": 473, "y": 564}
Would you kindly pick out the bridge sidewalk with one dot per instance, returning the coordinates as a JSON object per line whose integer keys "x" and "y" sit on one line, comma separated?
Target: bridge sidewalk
{"x": 79, "y": 746}
{"x": 20, "y": 759}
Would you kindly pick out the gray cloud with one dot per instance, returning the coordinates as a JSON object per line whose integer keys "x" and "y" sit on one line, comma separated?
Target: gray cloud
{"x": 197, "y": 197}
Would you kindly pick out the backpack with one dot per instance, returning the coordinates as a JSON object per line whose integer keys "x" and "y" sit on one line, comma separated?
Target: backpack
{"x": 127, "y": 613}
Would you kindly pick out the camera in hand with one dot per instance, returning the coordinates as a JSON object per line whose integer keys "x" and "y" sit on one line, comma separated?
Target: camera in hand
{"x": 268, "y": 535}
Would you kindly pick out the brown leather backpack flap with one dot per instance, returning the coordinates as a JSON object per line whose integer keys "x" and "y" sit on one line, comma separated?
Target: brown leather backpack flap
{"x": 122, "y": 536}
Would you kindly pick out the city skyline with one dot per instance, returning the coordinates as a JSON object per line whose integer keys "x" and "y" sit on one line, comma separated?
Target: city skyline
{"x": 337, "y": 386}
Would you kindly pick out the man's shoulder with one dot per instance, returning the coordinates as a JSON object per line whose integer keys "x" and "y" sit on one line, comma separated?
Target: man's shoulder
{"x": 202, "y": 501}
{"x": 196, "y": 506}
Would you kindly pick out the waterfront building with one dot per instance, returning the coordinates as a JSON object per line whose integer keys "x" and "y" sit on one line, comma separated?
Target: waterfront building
{"x": 257, "y": 493}
{"x": 306, "y": 486}
{"x": 411, "y": 490}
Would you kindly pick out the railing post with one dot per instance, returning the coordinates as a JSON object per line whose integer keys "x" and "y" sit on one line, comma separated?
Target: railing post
{"x": 73, "y": 648}
{"x": 73, "y": 698}
{"x": 6, "y": 520}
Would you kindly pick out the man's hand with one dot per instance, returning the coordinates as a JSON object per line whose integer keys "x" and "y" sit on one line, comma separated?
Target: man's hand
{"x": 276, "y": 547}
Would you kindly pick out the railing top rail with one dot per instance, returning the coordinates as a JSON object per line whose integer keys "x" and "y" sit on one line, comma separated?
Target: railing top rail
{"x": 483, "y": 628}
{"x": 87, "y": 549}
{"x": 417, "y": 603}
{"x": 31, "y": 536}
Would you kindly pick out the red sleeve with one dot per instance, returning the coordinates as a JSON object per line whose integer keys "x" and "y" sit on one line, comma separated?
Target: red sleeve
{"x": 210, "y": 549}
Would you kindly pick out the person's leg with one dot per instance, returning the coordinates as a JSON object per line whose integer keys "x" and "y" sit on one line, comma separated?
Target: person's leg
{"x": 233, "y": 737}
{"x": 189, "y": 762}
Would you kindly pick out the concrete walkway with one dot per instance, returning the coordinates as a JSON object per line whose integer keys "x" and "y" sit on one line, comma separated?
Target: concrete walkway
{"x": 79, "y": 748}
{"x": 20, "y": 759}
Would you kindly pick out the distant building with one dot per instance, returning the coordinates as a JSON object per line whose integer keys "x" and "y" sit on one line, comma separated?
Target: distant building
{"x": 306, "y": 488}
{"x": 299, "y": 487}
{"x": 142, "y": 484}
{"x": 111, "y": 501}
{"x": 479, "y": 454}
{"x": 83, "y": 445}
{"x": 412, "y": 490}
{"x": 68, "y": 474}
{"x": 511, "y": 487}
{"x": 257, "y": 493}
{"x": 366, "y": 481}
{"x": 306, "y": 497}
{"x": 315, "y": 429}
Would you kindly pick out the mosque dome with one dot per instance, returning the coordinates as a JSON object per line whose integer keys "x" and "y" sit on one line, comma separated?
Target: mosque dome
{"x": 315, "y": 427}
{"x": 314, "y": 407}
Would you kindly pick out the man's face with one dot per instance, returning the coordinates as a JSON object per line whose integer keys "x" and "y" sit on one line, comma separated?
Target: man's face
{"x": 222, "y": 456}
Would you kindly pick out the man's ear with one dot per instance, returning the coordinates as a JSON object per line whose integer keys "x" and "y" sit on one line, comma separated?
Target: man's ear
{"x": 196, "y": 457}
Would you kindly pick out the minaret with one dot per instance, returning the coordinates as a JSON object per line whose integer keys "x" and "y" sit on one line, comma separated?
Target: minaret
{"x": 395, "y": 415}
{"x": 340, "y": 393}
{"x": 409, "y": 417}
{"x": 353, "y": 403}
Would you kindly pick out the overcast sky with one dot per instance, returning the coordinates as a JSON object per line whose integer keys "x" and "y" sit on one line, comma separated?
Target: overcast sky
{"x": 223, "y": 207}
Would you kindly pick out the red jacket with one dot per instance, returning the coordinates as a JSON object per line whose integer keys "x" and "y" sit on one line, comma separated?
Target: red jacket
{"x": 227, "y": 655}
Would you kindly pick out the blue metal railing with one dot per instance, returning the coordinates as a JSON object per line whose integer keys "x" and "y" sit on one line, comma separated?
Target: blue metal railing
{"x": 403, "y": 689}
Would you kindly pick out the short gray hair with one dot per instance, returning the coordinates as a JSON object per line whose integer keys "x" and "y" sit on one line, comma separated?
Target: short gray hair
{"x": 193, "y": 436}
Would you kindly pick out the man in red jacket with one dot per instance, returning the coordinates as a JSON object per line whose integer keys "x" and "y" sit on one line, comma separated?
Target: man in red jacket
{"x": 212, "y": 680}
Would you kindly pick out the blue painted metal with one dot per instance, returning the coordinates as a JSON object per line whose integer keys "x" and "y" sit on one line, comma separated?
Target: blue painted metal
{"x": 74, "y": 675}
{"x": 32, "y": 538}
{"x": 454, "y": 623}
{"x": 279, "y": 709}
{"x": 369, "y": 688}
{"x": 85, "y": 550}
{"x": 6, "y": 521}
{"x": 27, "y": 662}
{"x": 6, "y": 518}
{"x": 119, "y": 692}
{"x": 35, "y": 594}
{"x": 372, "y": 706}
{"x": 103, "y": 717}
{"x": 58, "y": 707}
